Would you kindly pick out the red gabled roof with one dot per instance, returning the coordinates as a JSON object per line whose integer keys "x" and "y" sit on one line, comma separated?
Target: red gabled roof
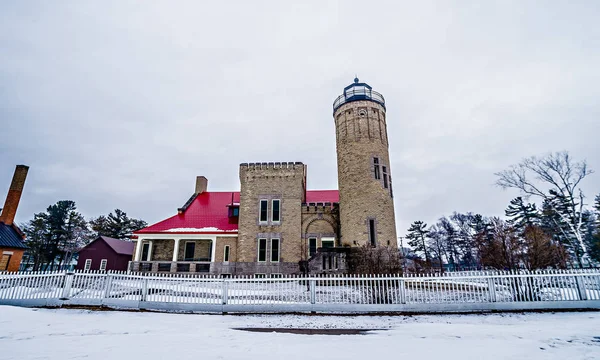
{"x": 119, "y": 246}
{"x": 208, "y": 214}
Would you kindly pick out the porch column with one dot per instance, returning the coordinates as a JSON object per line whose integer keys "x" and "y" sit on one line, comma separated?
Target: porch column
{"x": 176, "y": 250}
{"x": 138, "y": 249}
{"x": 150, "y": 250}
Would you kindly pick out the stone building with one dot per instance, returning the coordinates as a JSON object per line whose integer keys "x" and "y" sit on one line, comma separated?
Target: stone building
{"x": 274, "y": 225}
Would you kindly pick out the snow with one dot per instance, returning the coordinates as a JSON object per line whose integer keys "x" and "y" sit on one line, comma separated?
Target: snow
{"x": 204, "y": 229}
{"x": 66, "y": 334}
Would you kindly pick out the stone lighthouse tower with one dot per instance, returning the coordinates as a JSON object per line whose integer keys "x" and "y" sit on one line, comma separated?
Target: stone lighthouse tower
{"x": 364, "y": 174}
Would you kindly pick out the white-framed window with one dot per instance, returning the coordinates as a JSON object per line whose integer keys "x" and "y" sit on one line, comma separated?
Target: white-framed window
{"x": 327, "y": 242}
{"x": 262, "y": 250}
{"x": 88, "y": 264}
{"x": 146, "y": 252}
{"x": 263, "y": 211}
{"x": 276, "y": 210}
{"x": 275, "y": 250}
{"x": 226, "y": 253}
{"x": 372, "y": 233}
{"x": 103, "y": 263}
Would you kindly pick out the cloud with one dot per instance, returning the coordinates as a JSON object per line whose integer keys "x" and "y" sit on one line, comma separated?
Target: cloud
{"x": 122, "y": 104}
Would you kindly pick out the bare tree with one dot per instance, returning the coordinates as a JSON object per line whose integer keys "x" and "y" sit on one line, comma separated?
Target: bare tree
{"x": 560, "y": 173}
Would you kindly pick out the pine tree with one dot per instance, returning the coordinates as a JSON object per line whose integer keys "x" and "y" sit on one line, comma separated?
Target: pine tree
{"x": 416, "y": 238}
{"x": 117, "y": 225}
{"x": 522, "y": 215}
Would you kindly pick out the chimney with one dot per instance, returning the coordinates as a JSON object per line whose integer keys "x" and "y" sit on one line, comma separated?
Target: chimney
{"x": 14, "y": 195}
{"x": 201, "y": 184}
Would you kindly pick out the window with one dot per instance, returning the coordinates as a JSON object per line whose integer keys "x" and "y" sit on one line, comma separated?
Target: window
{"x": 88, "y": 264}
{"x": 391, "y": 191}
{"x": 327, "y": 243}
{"x": 145, "y": 252}
{"x": 262, "y": 250}
{"x": 226, "y": 254}
{"x": 4, "y": 261}
{"x": 276, "y": 210}
{"x": 376, "y": 168}
{"x": 190, "y": 248}
{"x": 103, "y": 264}
{"x": 234, "y": 211}
{"x": 385, "y": 178}
{"x": 372, "y": 232}
{"x": 263, "y": 210}
{"x": 312, "y": 246}
{"x": 274, "y": 250}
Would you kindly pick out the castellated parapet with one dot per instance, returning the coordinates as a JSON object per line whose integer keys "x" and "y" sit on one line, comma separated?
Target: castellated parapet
{"x": 283, "y": 181}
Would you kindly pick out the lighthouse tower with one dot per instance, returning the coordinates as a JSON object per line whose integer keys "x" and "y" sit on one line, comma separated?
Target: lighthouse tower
{"x": 364, "y": 173}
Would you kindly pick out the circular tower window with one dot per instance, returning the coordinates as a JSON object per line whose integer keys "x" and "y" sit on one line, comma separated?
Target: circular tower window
{"x": 362, "y": 113}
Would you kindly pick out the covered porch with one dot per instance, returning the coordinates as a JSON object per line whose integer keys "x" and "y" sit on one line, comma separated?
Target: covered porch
{"x": 177, "y": 254}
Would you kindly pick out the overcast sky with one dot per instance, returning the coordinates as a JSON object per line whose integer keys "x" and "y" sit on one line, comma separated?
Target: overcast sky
{"x": 120, "y": 104}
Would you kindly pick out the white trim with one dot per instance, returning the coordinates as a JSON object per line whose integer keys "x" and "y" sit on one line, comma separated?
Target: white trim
{"x": 213, "y": 249}
{"x": 8, "y": 253}
{"x": 150, "y": 249}
{"x": 88, "y": 265}
{"x": 103, "y": 264}
{"x": 138, "y": 249}
{"x": 194, "y": 236}
{"x": 278, "y": 250}
{"x": 327, "y": 239}
{"x": 258, "y": 250}
{"x": 272, "y": 207}
{"x": 225, "y": 252}
{"x": 260, "y": 201}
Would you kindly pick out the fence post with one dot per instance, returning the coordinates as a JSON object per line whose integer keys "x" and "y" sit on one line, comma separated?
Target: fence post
{"x": 312, "y": 284}
{"x": 224, "y": 289}
{"x": 107, "y": 285}
{"x": 144, "y": 289}
{"x": 581, "y": 287}
{"x": 67, "y": 285}
{"x": 492, "y": 289}
{"x": 402, "y": 285}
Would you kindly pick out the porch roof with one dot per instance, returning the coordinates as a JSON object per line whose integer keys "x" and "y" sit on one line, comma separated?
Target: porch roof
{"x": 208, "y": 214}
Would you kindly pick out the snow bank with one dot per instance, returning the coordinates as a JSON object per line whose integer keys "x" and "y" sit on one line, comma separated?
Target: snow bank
{"x": 64, "y": 334}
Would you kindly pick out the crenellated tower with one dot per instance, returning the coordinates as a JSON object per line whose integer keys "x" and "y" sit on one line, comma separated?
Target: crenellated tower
{"x": 364, "y": 173}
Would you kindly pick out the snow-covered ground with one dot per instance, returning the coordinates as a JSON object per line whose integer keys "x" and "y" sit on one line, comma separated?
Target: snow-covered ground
{"x": 73, "y": 334}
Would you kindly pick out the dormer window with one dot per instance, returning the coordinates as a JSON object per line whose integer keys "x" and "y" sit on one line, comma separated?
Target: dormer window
{"x": 234, "y": 210}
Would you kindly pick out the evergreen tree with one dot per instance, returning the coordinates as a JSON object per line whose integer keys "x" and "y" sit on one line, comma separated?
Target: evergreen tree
{"x": 522, "y": 215}
{"x": 416, "y": 238}
{"x": 56, "y": 234}
{"x": 117, "y": 225}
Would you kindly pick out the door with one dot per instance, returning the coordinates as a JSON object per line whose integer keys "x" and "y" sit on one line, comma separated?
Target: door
{"x": 190, "y": 248}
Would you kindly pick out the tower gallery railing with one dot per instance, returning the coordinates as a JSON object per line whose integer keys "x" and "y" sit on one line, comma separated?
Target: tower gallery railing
{"x": 330, "y": 294}
{"x": 358, "y": 93}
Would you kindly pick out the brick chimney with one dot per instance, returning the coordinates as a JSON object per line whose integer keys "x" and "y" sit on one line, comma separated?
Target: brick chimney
{"x": 201, "y": 184}
{"x": 14, "y": 195}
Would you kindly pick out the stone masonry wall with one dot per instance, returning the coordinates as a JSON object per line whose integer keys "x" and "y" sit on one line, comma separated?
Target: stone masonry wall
{"x": 285, "y": 181}
{"x": 361, "y": 135}
{"x": 220, "y": 250}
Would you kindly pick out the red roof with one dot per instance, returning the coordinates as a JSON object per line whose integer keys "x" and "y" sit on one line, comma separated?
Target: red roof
{"x": 119, "y": 246}
{"x": 208, "y": 214}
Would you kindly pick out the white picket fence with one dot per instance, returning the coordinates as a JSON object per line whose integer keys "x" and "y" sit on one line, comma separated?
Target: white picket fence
{"x": 328, "y": 294}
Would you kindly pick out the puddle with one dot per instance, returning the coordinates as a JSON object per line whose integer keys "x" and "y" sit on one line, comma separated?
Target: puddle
{"x": 311, "y": 331}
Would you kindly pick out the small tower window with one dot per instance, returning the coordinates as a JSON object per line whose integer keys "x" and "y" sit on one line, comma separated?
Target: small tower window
{"x": 376, "y": 173}
{"x": 385, "y": 177}
{"x": 372, "y": 233}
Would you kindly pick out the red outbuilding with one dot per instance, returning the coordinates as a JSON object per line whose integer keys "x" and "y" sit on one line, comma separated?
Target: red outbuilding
{"x": 105, "y": 253}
